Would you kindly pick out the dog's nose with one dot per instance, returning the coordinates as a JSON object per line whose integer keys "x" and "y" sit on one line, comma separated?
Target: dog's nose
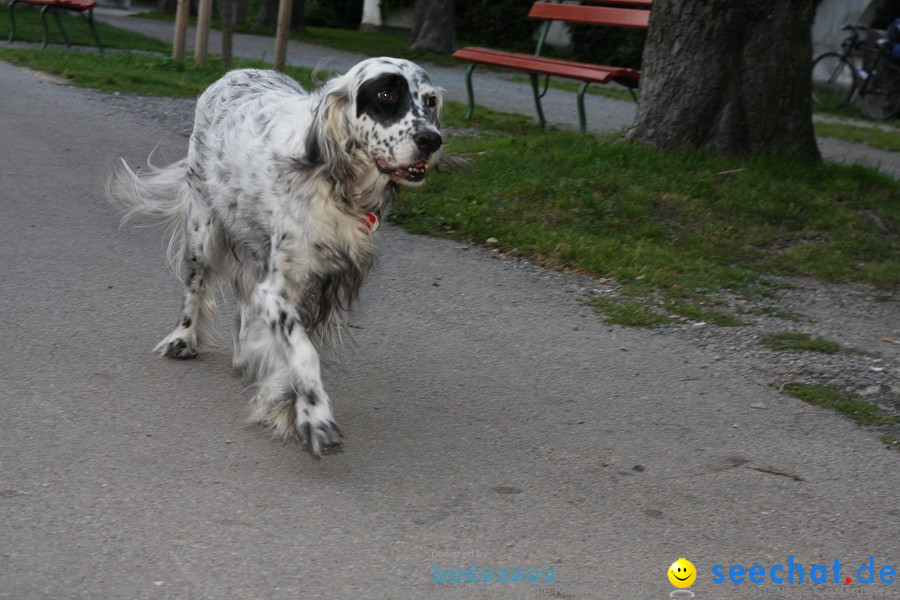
{"x": 428, "y": 141}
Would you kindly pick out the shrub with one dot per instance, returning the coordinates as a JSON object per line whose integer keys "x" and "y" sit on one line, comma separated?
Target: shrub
{"x": 608, "y": 45}
{"x": 497, "y": 24}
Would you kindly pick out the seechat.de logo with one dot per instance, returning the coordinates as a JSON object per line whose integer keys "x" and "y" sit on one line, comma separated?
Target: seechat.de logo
{"x": 682, "y": 574}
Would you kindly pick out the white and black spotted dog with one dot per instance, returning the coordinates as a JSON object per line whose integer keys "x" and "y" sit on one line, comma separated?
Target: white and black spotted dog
{"x": 280, "y": 195}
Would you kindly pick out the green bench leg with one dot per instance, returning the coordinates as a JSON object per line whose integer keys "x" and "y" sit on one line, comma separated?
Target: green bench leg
{"x": 60, "y": 27}
{"x": 89, "y": 17}
{"x": 469, "y": 91}
{"x": 582, "y": 119}
{"x": 44, "y": 25}
{"x": 12, "y": 22}
{"x": 536, "y": 88}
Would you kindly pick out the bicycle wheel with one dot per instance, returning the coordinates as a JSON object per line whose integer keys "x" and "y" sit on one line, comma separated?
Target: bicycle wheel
{"x": 881, "y": 99}
{"x": 834, "y": 80}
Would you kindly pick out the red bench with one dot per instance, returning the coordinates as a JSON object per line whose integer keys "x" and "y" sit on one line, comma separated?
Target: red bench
{"x": 85, "y": 7}
{"x": 615, "y": 13}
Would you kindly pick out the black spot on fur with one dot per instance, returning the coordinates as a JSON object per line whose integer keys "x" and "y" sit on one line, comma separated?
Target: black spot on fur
{"x": 285, "y": 325}
{"x": 313, "y": 153}
{"x": 334, "y": 289}
{"x": 186, "y": 322}
{"x": 380, "y": 110}
{"x": 311, "y": 398}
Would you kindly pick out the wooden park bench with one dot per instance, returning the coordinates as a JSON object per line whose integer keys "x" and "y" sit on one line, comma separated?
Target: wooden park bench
{"x": 85, "y": 7}
{"x": 612, "y": 13}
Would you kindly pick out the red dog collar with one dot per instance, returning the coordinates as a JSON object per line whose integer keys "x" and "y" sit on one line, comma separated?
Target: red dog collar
{"x": 371, "y": 222}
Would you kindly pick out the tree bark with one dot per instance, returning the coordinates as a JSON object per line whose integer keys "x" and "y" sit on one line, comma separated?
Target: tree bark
{"x": 728, "y": 76}
{"x": 433, "y": 29}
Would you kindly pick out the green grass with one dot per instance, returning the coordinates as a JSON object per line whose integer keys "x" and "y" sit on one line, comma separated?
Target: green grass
{"x": 128, "y": 73}
{"x": 846, "y": 403}
{"x": 671, "y": 227}
{"x": 615, "y": 92}
{"x": 699, "y": 313}
{"x": 890, "y": 442}
{"x": 28, "y": 29}
{"x": 795, "y": 340}
{"x": 629, "y": 313}
{"x": 871, "y": 136}
{"x": 641, "y": 311}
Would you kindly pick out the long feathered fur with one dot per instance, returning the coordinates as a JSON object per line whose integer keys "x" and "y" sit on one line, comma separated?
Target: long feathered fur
{"x": 277, "y": 197}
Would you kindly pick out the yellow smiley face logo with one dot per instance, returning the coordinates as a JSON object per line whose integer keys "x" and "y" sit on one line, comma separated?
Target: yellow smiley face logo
{"x": 682, "y": 573}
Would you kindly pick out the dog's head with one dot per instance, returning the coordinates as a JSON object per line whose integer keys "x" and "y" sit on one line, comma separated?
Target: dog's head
{"x": 386, "y": 111}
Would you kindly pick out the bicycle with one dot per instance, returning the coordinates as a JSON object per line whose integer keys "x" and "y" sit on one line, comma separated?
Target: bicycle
{"x": 837, "y": 78}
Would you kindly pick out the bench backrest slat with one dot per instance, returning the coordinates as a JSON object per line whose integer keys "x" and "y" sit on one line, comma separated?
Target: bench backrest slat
{"x": 636, "y": 3}
{"x": 591, "y": 15}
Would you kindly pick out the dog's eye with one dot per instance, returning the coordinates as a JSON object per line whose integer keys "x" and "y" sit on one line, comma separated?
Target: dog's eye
{"x": 431, "y": 101}
{"x": 386, "y": 96}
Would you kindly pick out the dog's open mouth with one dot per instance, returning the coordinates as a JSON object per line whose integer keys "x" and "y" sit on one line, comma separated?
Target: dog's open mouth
{"x": 413, "y": 173}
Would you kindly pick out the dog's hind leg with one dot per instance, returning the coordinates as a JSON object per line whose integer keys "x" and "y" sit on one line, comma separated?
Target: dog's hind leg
{"x": 195, "y": 325}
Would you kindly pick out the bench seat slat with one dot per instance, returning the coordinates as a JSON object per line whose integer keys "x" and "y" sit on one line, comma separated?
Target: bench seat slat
{"x": 545, "y": 66}
{"x": 591, "y": 15}
{"x": 69, "y": 4}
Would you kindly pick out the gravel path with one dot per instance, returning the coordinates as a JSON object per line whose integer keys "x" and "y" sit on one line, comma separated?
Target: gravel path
{"x": 865, "y": 321}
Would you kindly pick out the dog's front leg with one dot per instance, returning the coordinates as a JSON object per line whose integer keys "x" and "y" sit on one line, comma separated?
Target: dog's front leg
{"x": 290, "y": 396}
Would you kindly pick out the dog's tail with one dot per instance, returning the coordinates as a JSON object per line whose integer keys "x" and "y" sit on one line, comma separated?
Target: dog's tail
{"x": 154, "y": 196}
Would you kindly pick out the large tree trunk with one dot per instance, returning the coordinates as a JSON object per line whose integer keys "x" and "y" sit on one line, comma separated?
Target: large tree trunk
{"x": 729, "y": 76}
{"x": 432, "y": 29}
{"x": 227, "y": 10}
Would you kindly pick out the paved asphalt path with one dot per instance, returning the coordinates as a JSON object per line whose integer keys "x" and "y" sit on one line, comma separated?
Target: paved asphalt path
{"x": 486, "y": 411}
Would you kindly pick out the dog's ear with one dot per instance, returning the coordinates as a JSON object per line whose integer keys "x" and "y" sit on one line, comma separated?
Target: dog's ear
{"x": 328, "y": 140}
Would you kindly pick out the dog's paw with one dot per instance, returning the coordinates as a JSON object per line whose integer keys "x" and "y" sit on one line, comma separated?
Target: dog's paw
{"x": 305, "y": 417}
{"x": 321, "y": 438}
{"x": 314, "y": 423}
{"x": 180, "y": 347}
